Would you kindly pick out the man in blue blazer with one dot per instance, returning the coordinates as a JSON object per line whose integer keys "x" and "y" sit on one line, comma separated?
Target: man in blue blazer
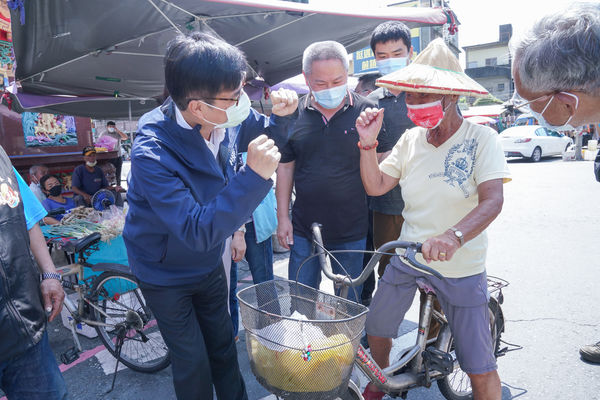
{"x": 186, "y": 197}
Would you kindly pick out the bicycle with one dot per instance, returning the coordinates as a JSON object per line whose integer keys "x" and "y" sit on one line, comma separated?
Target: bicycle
{"x": 113, "y": 304}
{"x": 426, "y": 362}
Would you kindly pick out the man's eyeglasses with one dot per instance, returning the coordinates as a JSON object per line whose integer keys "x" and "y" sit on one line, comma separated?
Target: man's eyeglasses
{"x": 236, "y": 101}
{"x": 519, "y": 102}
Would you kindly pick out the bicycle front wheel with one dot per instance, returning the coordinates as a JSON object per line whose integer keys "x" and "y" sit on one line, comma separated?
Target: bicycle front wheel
{"x": 119, "y": 305}
{"x": 352, "y": 393}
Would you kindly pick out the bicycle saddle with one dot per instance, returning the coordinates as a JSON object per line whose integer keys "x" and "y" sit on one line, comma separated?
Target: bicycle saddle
{"x": 79, "y": 245}
{"x": 424, "y": 285}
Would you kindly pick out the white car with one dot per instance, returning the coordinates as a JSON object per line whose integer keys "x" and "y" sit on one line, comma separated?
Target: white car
{"x": 533, "y": 142}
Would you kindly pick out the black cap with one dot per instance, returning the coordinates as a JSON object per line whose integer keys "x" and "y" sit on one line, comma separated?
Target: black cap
{"x": 87, "y": 150}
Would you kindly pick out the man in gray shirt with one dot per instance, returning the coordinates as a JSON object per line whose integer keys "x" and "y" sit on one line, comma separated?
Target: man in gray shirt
{"x": 115, "y": 133}
{"x": 557, "y": 78}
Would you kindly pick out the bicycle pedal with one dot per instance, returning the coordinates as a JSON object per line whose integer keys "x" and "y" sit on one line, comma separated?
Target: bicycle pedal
{"x": 439, "y": 360}
{"x": 69, "y": 356}
{"x": 501, "y": 352}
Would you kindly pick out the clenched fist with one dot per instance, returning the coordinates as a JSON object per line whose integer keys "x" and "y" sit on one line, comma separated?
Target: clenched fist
{"x": 284, "y": 101}
{"x": 263, "y": 156}
{"x": 368, "y": 125}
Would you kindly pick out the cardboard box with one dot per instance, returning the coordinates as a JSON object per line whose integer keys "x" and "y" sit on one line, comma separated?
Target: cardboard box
{"x": 80, "y": 328}
{"x": 589, "y": 155}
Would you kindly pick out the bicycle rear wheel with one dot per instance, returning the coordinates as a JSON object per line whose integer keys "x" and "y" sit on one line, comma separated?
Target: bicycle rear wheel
{"x": 121, "y": 306}
{"x": 457, "y": 385}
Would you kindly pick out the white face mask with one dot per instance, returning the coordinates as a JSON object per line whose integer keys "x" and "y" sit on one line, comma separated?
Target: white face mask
{"x": 236, "y": 114}
{"x": 111, "y": 129}
{"x": 558, "y": 128}
{"x": 91, "y": 164}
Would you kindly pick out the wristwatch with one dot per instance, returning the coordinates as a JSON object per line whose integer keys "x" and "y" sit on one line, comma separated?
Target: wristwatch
{"x": 242, "y": 228}
{"x": 459, "y": 235}
{"x": 50, "y": 275}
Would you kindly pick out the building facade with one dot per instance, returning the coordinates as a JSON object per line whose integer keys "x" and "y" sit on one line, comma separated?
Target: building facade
{"x": 363, "y": 60}
{"x": 490, "y": 64}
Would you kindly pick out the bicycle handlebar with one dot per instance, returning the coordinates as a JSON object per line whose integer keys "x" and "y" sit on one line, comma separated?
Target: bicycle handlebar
{"x": 411, "y": 249}
{"x": 56, "y": 211}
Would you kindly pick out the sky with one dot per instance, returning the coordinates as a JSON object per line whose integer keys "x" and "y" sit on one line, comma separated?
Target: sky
{"x": 479, "y": 19}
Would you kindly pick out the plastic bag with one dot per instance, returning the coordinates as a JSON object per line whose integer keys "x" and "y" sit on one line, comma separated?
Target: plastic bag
{"x": 107, "y": 142}
{"x": 287, "y": 369}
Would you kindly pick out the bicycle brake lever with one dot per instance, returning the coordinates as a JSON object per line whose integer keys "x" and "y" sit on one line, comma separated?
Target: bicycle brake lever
{"x": 410, "y": 254}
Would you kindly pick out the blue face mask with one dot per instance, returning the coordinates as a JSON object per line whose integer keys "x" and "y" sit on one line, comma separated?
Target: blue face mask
{"x": 389, "y": 65}
{"x": 331, "y": 98}
{"x": 565, "y": 127}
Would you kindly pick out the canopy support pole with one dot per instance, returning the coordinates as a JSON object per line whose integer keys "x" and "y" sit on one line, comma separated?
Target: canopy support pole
{"x": 130, "y": 132}
{"x": 165, "y": 17}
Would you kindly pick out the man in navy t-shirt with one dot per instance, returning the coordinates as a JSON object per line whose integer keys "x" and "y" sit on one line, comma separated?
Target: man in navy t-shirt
{"x": 89, "y": 178}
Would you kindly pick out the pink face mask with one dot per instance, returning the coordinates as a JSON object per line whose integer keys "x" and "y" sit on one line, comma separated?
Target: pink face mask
{"x": 427, "y": 115}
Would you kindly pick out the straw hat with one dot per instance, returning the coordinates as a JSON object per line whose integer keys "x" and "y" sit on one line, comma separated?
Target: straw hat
{"x": 434, "y": 70}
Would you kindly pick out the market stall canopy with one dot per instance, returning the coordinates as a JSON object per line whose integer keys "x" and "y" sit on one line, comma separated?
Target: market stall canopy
{"x": 115, "y": 48}
{"x": 478, "y": 119}
{"x": 99, "y": 107}
{"x": 484, "y": 111}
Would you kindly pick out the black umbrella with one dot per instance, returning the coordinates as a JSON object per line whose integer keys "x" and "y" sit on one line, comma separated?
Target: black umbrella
{"x": 115, "y": 48}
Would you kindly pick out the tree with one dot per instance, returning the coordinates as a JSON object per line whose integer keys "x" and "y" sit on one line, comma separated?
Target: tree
{"x": 462, "y": 104}
{"x": 487, "y": 101}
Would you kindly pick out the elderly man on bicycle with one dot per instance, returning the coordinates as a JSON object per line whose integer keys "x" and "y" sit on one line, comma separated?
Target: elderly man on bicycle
{"x": 451, "y": 173}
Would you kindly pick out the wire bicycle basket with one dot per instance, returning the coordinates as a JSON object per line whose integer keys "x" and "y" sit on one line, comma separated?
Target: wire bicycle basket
{"x": 301, "y": 342}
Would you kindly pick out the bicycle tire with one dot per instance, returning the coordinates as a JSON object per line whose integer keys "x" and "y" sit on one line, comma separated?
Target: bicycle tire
{"x": 119, "y": 297}
{"x": 351, "y": 393}
{"x": 447, "y": 385}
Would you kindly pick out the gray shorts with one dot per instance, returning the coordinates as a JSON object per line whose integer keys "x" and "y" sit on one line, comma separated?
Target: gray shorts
{"x": 463, "y": 300}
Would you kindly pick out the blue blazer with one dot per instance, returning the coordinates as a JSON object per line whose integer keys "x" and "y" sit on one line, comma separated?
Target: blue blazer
{"x": 183, "y": 203}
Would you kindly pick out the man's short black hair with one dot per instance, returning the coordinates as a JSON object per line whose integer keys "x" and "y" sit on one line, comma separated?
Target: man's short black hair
{"x": 367, "y": 81}
{"x": 390, "y": 30}
{"x": 200, "y": 66}
{"x": 44, "y": 178}
{"x": 111, "y": 123}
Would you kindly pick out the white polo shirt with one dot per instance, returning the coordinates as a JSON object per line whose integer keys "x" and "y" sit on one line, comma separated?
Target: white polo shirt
{"x": 216, "y": 136}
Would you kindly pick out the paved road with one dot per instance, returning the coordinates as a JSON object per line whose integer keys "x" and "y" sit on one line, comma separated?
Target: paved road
{"x": 545, "y": 243}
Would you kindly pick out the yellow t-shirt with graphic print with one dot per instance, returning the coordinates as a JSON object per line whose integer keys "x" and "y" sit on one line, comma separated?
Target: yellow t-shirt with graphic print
{"x": 439, "y": 188}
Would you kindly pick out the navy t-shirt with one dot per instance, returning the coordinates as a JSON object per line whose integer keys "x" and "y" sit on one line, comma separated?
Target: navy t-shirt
{"x": 89, "y": 182}
{"x": 329, "y": 189}
{"x": 50, "y": 205}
